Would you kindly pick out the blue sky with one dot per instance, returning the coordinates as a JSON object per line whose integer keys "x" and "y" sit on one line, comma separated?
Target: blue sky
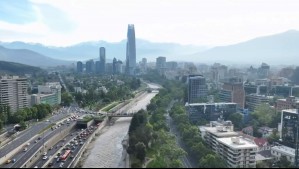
{"x": 197, "y": 22}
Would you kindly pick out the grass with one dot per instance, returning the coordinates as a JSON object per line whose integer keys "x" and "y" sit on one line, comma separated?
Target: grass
{"x": 46, "y": 128}
{"x": 109, "y": 107}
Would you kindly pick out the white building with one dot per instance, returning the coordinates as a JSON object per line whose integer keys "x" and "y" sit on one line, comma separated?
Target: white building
{"x": 278, "y": 151}
{"x": 13, "y": 92}
{"x": 237, "y": 152}
{"x": 51, "y": 88}
{"x": 211, "y": 133}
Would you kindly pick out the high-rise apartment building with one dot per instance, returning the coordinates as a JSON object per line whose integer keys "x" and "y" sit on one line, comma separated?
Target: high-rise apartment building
{"x": 114, "y": 65}
{"x": 233, "y": 91}
{"x": 79, "y": 67}
{"x": 98, "y": 67}
{"x": 161, "y": 63}
{"x": 13, "y": 92}
{"x": 90, "y": 66}
{"x": 197, "y": 88}
{"x": 102, "y": 60}
{"x": 289, "y": 122}
{"x": 237, "y": 152}
{"x": 131, "y": 51}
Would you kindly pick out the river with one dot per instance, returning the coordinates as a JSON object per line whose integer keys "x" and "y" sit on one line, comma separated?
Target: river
{"x": 107, "y": 148}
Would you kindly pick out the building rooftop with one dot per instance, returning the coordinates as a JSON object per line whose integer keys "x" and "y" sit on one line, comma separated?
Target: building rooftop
{"x": 202, "y": 104}
{"x": 284, "y": 150}
{"x": 236, "y": 143}
{"x": 294, "y": 111}
{"x": 220, "y": 131}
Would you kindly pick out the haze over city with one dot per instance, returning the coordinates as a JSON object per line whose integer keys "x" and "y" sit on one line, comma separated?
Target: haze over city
{"x": 194, "y": 22}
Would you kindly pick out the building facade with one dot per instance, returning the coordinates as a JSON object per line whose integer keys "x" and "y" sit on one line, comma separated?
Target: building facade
{"x": 102, "y": 60}
{"x": 289, "y": 121}
{"x": 79, "y": 67}
{"x": 278, "y": 151}
{"x": 233, "y": 91}
{"x": 90, "y": 66}
{"x": 161, "y": 64}
{"x": 13, "y": 92}
{"x": 209, "y": 111}
{"x": 197, "y": 88}
{"x": 131, "y": 51}
{"x": 50, "y": 91}
{"x": 290, "y": 102}
{"x": 253, "y": 100}
{"x": 237, "y": 152}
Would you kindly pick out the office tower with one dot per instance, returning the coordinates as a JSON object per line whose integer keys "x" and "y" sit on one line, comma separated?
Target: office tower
{"x": 119, "y": 67}
{"x": 131, "y": 51}
{"x": 197, "y": 88}
{"x": 161, "y": 63}
{"x": 98, "y": 67}
{"x": 114, "y": 65}
{"x": 90, "y": 66}
{"x": 79, "y": 67}
{"x": 102, "y": 60}
{"x": 13, "y": 92}
{"x": 233, "y": 91}
{"x": 171, "y": 65}
{"x": 263, "y": 71}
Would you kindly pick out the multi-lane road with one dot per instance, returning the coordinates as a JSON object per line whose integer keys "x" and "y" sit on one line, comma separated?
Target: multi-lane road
{"x": 29, "y": 133}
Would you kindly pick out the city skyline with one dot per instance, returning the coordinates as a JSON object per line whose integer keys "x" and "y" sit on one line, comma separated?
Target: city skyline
{"x": 208, "y": 23}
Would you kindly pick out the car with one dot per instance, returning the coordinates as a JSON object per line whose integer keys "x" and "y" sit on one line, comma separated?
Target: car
{"x": 25, "y": 149}
{"x": 8, "y": 161}
{"x": 71, "y": 156}
{"x": 50, "y": 164}
{"x": 28, "y": 144}
{"x": 51, "y": 148}
{"x": 45, "y": 153}
{"x": 61, "y": 165}
{"x": 39, "y": 137}
{"x": 56, "y": 157}
{"x": 45, "y": 157}
{"x": 81, "y": 143}
{"x": 47, "y": 120}
{"x": 35, "y": 141}
{"x": 14, "y": 160}
{"x": 36, "y": 166}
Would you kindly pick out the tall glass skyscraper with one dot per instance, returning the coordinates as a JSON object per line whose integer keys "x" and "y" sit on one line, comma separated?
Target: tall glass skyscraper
{"x": 102, "y": 60}
{"x": 131, "y": 51}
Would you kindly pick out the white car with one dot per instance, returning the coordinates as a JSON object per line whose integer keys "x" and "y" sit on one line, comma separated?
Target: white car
{"x": 45, "y": 157}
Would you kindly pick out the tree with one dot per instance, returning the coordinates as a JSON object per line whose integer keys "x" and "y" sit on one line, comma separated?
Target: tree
{"x": 263, "y": 114}
{"x": 236, "y": 119}
{"x": 284, "y": 163}
{"x": 211, "y": 161}
{"x": 140, "y": 151}
{"x": 23, "y": 125}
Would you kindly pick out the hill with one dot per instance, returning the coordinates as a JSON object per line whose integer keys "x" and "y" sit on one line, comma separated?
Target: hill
{"x": 17, "y": 68}
{"x": 29, "y": 57}
{"x": 276, "y": 49}
{"x": 90, "y": 50}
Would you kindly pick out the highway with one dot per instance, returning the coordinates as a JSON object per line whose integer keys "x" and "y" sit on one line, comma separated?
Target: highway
{"x": 26, "y": 155}
{"x": 29, "y": 133}
{"x": 50, "y": 153}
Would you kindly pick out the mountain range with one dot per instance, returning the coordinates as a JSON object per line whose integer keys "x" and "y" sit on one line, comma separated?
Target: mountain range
{"x": 90, "y": 50}
{"x": 275, "y": 49}
{"x": 282, "y": 48}
{"x": 17, "y": 68}
{"x": 29, "y": 57}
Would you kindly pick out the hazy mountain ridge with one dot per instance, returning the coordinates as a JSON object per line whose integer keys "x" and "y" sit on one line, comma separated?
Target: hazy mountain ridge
{"x": 29, "y": 57}
{"x": 280, "y": 48}
{"x": 17, "y": 68}
{"x": 90, "y": 50}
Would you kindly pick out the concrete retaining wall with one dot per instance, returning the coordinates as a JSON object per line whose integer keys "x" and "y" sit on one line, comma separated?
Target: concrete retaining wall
{"x": 76, "y": 159}
{"x": 51, "y": 142}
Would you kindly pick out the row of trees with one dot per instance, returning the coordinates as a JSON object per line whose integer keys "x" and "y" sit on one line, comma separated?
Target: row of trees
{"x": 35, "y": 112}
{"x": 194, "y": 143}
